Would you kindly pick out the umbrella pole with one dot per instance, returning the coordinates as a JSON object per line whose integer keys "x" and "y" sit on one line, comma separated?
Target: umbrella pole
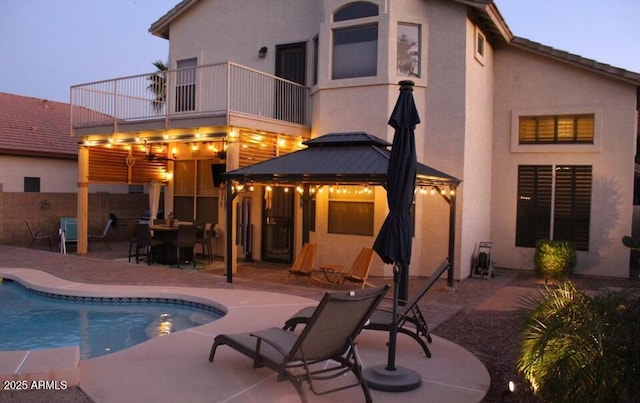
{"x": 389, "y": 378}
{"x": 393, "y": 331}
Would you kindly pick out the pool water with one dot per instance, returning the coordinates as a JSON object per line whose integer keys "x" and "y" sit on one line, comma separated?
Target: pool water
{"x": 32, "y": 321}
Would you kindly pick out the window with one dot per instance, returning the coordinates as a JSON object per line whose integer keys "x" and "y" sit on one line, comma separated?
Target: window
{"x": 355, "y": 48}
{"x": 316, "y": 49}
{"x": 554, "y": 202}
{"x": 408, "y": 50}
{"x": 351, "y": 210}
{"x": 355, "y": 10}
{"x": 480, "y": 44}
{"x": 557, "y": 129}
{"x": 31, "y": 184}
{"x": 195, "y": 196}
{"x": 136, "y": 188}
{"x": 186, "y": 85}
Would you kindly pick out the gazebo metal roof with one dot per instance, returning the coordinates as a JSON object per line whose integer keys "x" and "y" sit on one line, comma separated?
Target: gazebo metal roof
{"x": 345, "y": 158}
{"x": 341, "y": 158}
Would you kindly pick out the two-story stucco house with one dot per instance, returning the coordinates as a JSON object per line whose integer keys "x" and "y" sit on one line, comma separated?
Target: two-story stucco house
{"x": 543, "y": 140}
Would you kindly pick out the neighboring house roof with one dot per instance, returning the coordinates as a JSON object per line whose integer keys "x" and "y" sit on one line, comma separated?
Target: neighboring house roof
{"x": 489, "y": 18}
{"x": 345, "y": 158}
{"x": 36, "y": 127}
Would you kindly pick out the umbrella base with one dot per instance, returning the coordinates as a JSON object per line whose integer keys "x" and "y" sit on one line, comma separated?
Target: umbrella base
{"x": 399, "y": 380}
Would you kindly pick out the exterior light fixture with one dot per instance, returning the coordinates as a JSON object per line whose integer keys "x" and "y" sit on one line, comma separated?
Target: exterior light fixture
{"x": 262, "y": 53}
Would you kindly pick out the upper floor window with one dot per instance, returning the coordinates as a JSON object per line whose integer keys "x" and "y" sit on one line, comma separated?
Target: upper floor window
{"x": 480, "y": 45}
{"x": 355, "y": 47}
{"x": 357, "y": 9}
{"x": 557, "y": 129}
{"x": 408, "y": 50}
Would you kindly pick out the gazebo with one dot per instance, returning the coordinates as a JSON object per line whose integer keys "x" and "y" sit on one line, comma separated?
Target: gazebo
{"x": 352, "y": 158}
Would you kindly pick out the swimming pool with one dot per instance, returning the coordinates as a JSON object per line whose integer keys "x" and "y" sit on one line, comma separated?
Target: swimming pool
{"x": 37, "y": 320}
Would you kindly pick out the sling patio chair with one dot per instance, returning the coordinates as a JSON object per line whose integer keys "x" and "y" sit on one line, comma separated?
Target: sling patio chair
{"x": 103, "y": 236}
{"x": 410, "y": 320}
{"x": 359, "y": 272}
{"x": 325, "y": 349}
{"x": 38, "y": 236}
{"x": 305, "y": 262}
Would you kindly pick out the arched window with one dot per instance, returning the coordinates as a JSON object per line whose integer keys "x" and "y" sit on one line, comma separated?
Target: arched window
{"x": 357, "y": 9}
{"x": 355, "y": 47}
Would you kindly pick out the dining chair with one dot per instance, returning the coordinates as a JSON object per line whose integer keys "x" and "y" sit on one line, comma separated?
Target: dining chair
{"x": 186, "y": 238}
{"x": 205, "y": 242}
{"x": 146, "y": 243}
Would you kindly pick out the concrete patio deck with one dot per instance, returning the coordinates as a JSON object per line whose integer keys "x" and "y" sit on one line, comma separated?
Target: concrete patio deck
{"x": 175, "y": 367}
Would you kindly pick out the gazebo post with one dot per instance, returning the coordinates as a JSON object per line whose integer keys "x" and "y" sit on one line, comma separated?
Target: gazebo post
{"x": 452, "y": 238}
{"x": 306, "y": 213}
{"x": 230, "y": 260}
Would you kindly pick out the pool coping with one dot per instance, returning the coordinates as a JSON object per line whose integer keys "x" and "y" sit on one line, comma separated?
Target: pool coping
{"x": 153, "y": 369}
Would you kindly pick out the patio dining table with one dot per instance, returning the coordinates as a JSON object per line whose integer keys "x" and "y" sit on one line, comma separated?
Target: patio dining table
{"x": 168, "y": 234}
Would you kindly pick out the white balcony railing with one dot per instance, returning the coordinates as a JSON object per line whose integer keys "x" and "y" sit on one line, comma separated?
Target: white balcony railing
{"x": 211, "y": 90}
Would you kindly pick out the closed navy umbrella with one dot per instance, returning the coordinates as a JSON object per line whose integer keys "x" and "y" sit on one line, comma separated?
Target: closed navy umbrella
{"x": 393, "y": 243}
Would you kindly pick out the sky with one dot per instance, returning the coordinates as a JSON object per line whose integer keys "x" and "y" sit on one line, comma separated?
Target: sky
{"x": 46, "y": 46}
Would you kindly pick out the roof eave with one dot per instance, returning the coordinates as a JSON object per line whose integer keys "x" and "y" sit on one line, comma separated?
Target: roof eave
{"x": 39, "y": 154}
{"x": 160, "y": 28}
{"x": 490, "y": 16}
{"x": 576, "y": 60}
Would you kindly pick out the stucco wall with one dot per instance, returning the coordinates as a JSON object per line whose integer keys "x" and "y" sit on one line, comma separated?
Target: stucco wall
{"x": 222, "y": 30}
{"x": 475, "y": 208}
{"x": 538, "y": 85}
{"x": 56, "y": 175}
{"x": 443, "y": 125}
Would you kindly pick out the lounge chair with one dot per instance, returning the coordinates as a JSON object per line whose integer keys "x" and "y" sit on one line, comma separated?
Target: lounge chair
{"x": 411, "y": 321}
{"x": 329, "y": 335}
{"x": 359, "y": 272}
{"x": 305, "y": 262}
{"x": 38, "y": 236}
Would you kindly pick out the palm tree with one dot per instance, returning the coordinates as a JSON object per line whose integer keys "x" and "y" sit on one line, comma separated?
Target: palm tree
{"x": 158, "y": 85}
{"x": 579, "y": 347}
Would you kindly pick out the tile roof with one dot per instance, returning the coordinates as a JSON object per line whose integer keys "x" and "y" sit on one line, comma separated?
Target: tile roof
{"x": 36, "y": 127}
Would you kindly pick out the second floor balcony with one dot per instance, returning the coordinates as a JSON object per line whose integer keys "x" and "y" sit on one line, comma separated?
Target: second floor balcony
{"x": 215, "y": 95}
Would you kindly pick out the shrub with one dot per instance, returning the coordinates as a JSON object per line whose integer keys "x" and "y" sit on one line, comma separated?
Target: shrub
{"x": 578, "y": 348}
{"x": 554, "y": 259}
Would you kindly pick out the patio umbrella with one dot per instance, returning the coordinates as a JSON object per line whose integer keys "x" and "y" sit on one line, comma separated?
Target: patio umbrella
{"x": 393, "y": 243}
